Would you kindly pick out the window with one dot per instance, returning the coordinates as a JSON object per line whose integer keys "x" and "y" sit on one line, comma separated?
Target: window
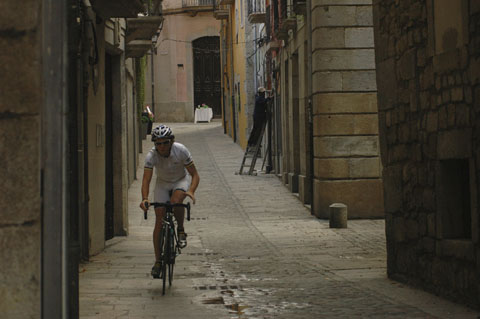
{"x": 450, "y": 24}
{"x": 453, "y": 191}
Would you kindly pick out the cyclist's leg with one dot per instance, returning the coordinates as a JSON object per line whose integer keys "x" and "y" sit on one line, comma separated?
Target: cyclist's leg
{"x": 178, "y": 196}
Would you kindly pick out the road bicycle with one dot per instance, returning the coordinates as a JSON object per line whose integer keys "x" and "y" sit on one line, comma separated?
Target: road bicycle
{"x": 168, "y": 244}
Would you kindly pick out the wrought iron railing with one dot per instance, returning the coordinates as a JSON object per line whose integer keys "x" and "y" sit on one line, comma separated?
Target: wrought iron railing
{"x": 152, "y": 7}
{"x": 256, "y": 6}
{"x": 298, "y": 3}
{"x": 283, "y": 9}
{"x": 276, "y": 17}
{"x": 286, "y": 10}
{"x": 197, "y": 3}
{"x": 300, "y": 7}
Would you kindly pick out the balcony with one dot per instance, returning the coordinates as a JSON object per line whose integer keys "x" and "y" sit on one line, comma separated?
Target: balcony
{"x": 273, "y": 46}
{"x": 221, "y": 14}
{"x": 289, "y": 19}
{"x": 139, "y": 33}
{"x": 118, "y": 8}
{"x": 197, "y": 3}
{"x": 281, "y": 34}
{"x": 221, "y": 11}
{"x": 137, "y": 48}
{"x": 256, "y": 11}
{"x": 191, "y": 7}
{"x": 225, "y": 2}
{"x": 153, "y": 7}
{"x": 300, "y": 7}
{"x": 142, "y": 28}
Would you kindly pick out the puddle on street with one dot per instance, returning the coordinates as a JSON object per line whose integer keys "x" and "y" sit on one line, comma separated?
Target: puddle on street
{"x": 248, "y": 302}
{"x": 237, "y": 309}
{"x": 214, "y": 301}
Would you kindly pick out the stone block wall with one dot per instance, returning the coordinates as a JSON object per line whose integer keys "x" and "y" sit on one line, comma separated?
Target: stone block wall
{"x": 428, "y": 75}
{"x": 20, "y": 107}
{"x": 346, "y": 150}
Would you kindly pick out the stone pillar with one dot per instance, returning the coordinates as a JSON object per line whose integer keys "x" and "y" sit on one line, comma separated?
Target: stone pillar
{"x": 346, "y": 148}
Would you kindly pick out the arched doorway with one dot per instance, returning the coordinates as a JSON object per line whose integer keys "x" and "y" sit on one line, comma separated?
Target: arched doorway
{"x": 206, "y": 73}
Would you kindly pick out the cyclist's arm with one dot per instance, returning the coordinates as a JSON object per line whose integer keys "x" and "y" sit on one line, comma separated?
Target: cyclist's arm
{"x": 147, "y": 177}
{"x": 192, "y": 170}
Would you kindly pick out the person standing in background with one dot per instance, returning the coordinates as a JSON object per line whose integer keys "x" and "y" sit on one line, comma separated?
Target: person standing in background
{"x": 259, "y": 116}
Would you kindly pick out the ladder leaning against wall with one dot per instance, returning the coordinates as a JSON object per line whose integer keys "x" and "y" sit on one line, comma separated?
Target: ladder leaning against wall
{"x": 252, "y": 153}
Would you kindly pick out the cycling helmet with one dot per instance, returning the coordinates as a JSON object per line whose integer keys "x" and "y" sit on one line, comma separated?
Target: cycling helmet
{"x": 161, "y": 131}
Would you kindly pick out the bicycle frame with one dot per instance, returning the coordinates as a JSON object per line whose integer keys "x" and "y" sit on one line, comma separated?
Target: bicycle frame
{"x": 168, "y": 238}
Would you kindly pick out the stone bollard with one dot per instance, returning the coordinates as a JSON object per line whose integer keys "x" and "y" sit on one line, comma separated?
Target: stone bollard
{"x": 338, "y": 215}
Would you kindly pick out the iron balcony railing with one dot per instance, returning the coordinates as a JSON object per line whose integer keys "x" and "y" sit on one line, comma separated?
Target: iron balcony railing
{"x": 256, "y": 6}
{"x": 286, "y": 10}
{"x": 276, "y": 17}
{"x": 152, "y": 7}
{"x": 300, "y": 7}
{"x": 197, "y": 3}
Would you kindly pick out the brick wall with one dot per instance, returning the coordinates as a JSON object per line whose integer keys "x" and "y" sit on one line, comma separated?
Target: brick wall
{"x": 428, "y": 75}
{"x": 20, "y": 104}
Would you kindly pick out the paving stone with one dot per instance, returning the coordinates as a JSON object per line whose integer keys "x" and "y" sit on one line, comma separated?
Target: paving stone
{"x": 259, "y": 253}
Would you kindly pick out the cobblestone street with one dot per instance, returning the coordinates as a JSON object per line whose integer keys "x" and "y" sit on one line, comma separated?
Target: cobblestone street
{"x": 254, "y": 251}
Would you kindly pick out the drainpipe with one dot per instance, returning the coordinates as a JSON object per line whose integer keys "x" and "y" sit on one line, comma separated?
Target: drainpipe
{"x": 232, "y": 84}
{"x": 153, "y": 77}
{"x": 223, "y": 63}
{"x": 54, "y": 161}
{"x": 85, "y": 81}
{"x": 310, "y": 99}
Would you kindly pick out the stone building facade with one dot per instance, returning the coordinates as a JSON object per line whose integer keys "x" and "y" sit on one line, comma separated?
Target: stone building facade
{"x": 324, "y": 115}
{"x": 428, "y": 75}
{"x": 174, "y": 77}
{"x": 67, "y": 123}
{"x": 20, "y": 116}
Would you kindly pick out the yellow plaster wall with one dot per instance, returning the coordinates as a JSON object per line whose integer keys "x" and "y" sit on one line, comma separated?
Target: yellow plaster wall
{"x": 241, "y": 76}
{"x": 236, "y": 50}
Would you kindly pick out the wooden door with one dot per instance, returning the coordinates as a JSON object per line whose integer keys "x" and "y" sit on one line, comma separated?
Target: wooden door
{"x": 206, "y": 73}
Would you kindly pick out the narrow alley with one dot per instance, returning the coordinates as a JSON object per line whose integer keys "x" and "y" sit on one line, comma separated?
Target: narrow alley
{"x": 254, "y": 251}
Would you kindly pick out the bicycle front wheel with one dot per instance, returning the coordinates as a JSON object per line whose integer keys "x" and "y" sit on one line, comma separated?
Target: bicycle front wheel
{"x": 172, "y": 250}
{"x": 165, "y": 256}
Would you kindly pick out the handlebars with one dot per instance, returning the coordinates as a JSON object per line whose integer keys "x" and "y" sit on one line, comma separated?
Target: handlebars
{"x": 167, "y": 205}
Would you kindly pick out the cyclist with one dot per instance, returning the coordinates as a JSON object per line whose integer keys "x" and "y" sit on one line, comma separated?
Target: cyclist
{"x": 177, "y": 178}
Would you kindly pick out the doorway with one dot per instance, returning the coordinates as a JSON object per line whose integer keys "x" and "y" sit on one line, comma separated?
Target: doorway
{"x": 109, "y": 212}
{"x": 206, "y": 73}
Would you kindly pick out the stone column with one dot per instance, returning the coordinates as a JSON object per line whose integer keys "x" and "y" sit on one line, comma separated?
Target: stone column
{"x": 347, "y": 166}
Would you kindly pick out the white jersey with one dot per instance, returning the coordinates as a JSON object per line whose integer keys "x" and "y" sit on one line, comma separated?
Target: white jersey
{"x": 172, "y": 168}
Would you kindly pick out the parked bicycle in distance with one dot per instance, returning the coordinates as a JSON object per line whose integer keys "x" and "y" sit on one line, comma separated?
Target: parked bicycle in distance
{"x": 168, "y": 244}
